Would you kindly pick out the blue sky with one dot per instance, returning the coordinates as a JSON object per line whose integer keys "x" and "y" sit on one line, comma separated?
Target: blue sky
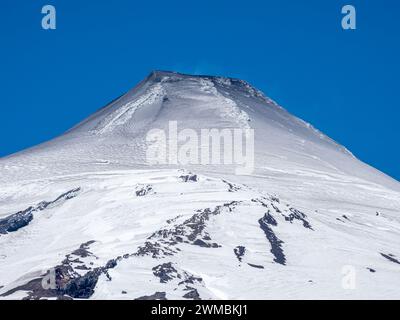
{"x": 346, "y": 83}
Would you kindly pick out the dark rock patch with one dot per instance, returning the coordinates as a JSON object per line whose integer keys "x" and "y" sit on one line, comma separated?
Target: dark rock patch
{"x": 189, "y": 177}
{"x": 269, "y": 219}
{"x": 67, "y": 283}
{"x": 276, "y": 243}
{"x": 298, "y": 215}
{"x": 16, "y": 221}
{"x": 192, "y": 294}
{"x": 275, "y": 199}
{"x": 231, "y": 187}
{"x": 276, "y": 208}
{"x": 83, "y": 250}
{"x": 201, "y": 243}
{"x": 77, "y": 286}
{"x": 155, "y": 296}
{"x": 165, "y": 272}
{"x": 82, "y": 268}
{"x": 390, "y": 257}
{"x": 255, "y": 266}
{"x": 21, "y": 219}
{"x": 190, "y": 279}
{"x": 35, "y": 289}
{"x": 192, "y": 230}
{"x": 290, "y": 214}
{"x": 154, "y": 249}
{"x": 65, "y": 196}
{"x": 144, "y": 191}
{"x": 169, "y": 221}
{"x": 239, "y": 252}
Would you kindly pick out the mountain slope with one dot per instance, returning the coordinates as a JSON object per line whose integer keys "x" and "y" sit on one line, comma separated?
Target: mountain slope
{"x": 90, "y": 206}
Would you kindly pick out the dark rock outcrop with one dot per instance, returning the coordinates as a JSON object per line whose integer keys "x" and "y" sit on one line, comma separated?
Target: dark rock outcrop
{"x": 239, "y": 252}
{"x": 21, "y": 219}
{"x": 155, "y": 296}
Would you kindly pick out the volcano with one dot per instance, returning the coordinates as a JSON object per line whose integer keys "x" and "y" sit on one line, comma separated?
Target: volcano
{"x": 88, "y": 216}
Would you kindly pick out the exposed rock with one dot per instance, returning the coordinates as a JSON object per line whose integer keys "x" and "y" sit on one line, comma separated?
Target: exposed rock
{"x": 155, "y": 296}
{"x": 83, "y": 250}
{"x": 390, "y": 257}
{"x": 276, "y": 243}
{"x": 275, "y": 199}
{"x": 144, "y": 190}
{"x": 154, "y": 249}
{"x": 192, "y": 294}
{"x": 298, "y": 215}
{"x": 276, "y": 208}
{"x": 255, "y": 266}
{"x": 201, "y": 243}
{"x": 16, "y": 221}
{"x": 67, "y": 283}
{"x": 189, "y": 279}
{"x": 269, "y": 219}
{"x": 189, "y": 177}
{"x": 165, "y": 272}
{"x": 191, "y": 231}
{"x": 239, "y": 252}
{"x": 231, "y": 187}
{"x": 21, "y": 219}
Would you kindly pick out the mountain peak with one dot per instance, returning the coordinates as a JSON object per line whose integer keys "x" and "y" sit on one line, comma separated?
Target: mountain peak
{"x": 159, "y": 74}
{"x": 220, "y": 82}
{"x": 197, "y": 102}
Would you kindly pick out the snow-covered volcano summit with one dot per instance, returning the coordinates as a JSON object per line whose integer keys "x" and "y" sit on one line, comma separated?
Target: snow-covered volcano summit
{"x": 89, "y": 206}
{"x": 116, "y": 134}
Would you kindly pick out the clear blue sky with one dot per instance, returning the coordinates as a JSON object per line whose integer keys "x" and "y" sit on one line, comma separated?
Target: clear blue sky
{"x": 346, "y": 83}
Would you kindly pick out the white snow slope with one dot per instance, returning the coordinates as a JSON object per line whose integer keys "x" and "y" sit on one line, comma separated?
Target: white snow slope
{"x": 310, "y": 222}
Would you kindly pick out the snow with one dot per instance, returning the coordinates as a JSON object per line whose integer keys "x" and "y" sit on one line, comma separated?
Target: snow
{"x": 124, "y": 203}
